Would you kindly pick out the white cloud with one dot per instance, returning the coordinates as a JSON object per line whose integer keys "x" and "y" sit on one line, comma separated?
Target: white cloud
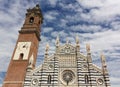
{"x": 7, "y": 45}
{"x": 63, "y": 23}
{"x": 104, "y": 40}
{"x": 54, "y": 34}
{"x": 71, "y": 6}
{"x": 115, "y": 25}
{"x": 53, "y": 2}
{"x": 91, "y": 3}
{"x": 86, "y": 28}
{"x": 47, "y": 29}
{"x": 50, "y": 15}
{"x": 62, "y": 34}
{"x": 105, "y": 10}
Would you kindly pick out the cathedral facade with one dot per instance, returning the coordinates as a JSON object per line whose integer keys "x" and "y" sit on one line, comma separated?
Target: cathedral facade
{"x": 67, "y": 67}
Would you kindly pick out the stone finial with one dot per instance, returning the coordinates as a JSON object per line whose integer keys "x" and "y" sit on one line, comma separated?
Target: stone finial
{"x": 104, "y": 66}
{"x": 46, "y": 51}
{"x": 77, "y": 40}
{"x": 37, "y": 5}
{"x": 88, "y": 47}
{"x": 103, "y": 60}
{"x": 67, "y": 41}
{"x": 47, "y": 47}
{"x": 57, "y": 41}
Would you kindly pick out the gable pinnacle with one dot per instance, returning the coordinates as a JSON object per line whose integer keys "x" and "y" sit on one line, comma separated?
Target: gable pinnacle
{"x": 67, "y": 41}
{"x": 47, "y": 47}
{"x": 77, "y": 41}
{"x": 104, "y": 66}
{"x": 88, "y": 47}
{"x": 57, "y": 41}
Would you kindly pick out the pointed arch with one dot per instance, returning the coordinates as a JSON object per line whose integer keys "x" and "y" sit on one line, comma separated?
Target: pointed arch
{"x": 86, "y": 79}
{"x": 49, "y": 79}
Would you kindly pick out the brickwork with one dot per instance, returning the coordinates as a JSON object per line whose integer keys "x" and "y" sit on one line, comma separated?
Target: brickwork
{"x": 29, "y": 34}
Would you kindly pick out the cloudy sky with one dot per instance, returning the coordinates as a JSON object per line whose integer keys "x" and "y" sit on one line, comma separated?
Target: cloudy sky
{"x": 95, "y": 21}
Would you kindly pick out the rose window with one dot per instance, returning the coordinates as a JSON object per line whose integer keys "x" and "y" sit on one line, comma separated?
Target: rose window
{"x": 68, "y": 76}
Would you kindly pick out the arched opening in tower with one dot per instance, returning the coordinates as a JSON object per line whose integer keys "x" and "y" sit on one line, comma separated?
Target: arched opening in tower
{"x": 31, "y": 20}
{"x": 21, "y": 56}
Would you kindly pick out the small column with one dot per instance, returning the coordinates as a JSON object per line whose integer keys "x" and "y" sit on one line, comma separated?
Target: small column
{"x": 67, "y": 41}
{"x": 89, "y": 62}
{"x": 46, "y": 51}
{"x": 88, "y": 53}
{"x": 104, "y": 66}
{"x": 105, "y": 71}
{"x": 77, "y": 44}
{"x": 57, "y": 42}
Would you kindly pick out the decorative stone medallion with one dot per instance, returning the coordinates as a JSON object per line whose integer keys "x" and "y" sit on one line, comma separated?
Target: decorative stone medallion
{"x": 35, "y": 81}
{"x": 50, "y": 67}
{"x": 100, "y": 81}
{"x": 85, "y": 67}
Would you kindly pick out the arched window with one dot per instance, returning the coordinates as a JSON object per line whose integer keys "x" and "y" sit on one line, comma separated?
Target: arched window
{"x": 31, "y": 20}
{"x": 49, "y": 79}
{"x": 86, "y": 79}
{"x": 21, "y": 56}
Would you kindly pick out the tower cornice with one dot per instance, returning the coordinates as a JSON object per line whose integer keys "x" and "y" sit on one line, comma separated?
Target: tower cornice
{"x": 28, "y": 31}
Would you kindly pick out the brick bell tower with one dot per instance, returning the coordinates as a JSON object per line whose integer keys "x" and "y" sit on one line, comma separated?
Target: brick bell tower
{"x": 25, "y": 52}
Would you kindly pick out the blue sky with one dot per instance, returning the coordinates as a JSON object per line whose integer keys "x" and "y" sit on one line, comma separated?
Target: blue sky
{"x": 95, "y": 21}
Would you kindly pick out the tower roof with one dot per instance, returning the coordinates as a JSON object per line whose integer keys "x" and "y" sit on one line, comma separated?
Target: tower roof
{"x": 36, "y": 10}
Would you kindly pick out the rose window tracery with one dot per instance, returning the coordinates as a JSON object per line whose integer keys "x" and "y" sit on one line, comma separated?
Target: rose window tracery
{"x": 68, "y": 76}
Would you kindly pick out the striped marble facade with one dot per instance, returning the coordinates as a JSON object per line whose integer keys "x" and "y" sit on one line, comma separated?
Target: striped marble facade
{"x": 68, "y": 67}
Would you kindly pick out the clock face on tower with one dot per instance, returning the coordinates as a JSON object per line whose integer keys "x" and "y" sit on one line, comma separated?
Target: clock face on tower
{"x": 22, "y": 51}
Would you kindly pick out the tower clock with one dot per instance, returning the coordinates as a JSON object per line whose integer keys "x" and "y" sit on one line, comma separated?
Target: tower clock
{"x": 22, "y": 51}
{"x": 26, "y": 46}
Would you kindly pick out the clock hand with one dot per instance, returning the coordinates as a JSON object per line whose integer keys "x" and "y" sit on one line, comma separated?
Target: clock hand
{"x": 25, "y": 46}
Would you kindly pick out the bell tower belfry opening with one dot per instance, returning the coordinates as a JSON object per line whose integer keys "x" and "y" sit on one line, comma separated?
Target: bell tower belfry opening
{"x": 26, "y": 46}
